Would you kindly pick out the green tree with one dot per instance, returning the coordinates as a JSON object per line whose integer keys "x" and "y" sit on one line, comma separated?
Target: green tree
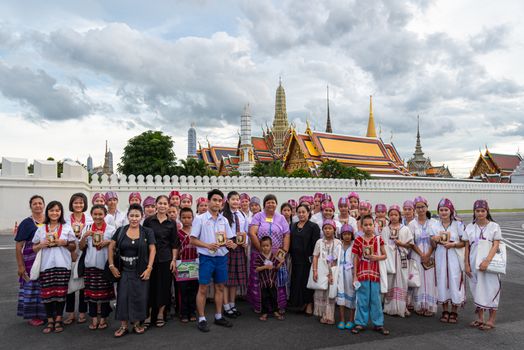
{"x": 335, "y": 170}
{"x": 272, "y": 169}
{"x": 150, "y": 153}
{"x": 194, "y": 167}
{"x": 300, "y": 173}
{"x": 235, "y": 173}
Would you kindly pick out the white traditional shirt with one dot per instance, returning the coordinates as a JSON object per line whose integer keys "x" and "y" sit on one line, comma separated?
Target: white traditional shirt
{"x": 55, "y": 256}
{"x": 97, "y": 258}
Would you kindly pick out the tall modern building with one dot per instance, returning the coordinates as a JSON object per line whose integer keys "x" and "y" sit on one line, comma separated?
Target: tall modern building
{"x": 90, "y": 164}
{"x": 247, "y": 157}
{"x": 191, "y": 142}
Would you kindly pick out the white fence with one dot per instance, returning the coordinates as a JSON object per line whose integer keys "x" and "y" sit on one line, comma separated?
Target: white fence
{"x": 16, "y": 187}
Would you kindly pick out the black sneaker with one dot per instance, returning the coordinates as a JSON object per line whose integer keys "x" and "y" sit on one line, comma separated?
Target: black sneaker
{"x": 230, "y": 314}
{"x": 223, "y": 322}
{"x": 203, "y": 327}
{"x": 237, "y": 313}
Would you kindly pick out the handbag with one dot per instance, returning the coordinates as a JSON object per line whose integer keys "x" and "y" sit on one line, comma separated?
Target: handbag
{"x": 282, "y": 276}
{"x": 497, "y": 264}
{"x": 383, "y": 270}
{"x": 413, "y": 274}
{"x": 34, "y": 274}
{"x": 108, "y": 274}
{"x": 75, "y": 283}
{"x": 333, "y": 288}
{"x": 461, "y": 255}
{"x": 390, "y": 259}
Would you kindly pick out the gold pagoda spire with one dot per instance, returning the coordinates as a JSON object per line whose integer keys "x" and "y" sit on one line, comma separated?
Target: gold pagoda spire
{"x": 280, "y": 122}
{"x": 371, "y": 122}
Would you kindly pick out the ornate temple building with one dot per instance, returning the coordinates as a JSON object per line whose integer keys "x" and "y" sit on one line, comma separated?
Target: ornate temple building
{"x": 106, "y": 168}
{"x": 495, "y": 167}
{"x": 421, "y": 166}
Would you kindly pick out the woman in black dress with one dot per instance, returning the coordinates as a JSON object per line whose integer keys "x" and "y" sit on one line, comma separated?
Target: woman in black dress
{"x": 304, "y": 235}
{"x": 136, "y": 245}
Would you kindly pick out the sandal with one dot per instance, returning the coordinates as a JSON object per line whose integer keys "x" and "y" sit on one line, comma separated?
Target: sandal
{"x": 381, "y": 330}
{"x": 138, "y": 329}
{"x": 278, "y": 316}
{"x": 69, "y": 321}
{"x": 103, "y": 325}
{"x": 120, "y": 332}
{"x": 263, "y": 317}
{"x": 453, "y": 318}
{"x": 81, "y": 319}
{"x": 59, "y": 327}
{"x": 184, "y": 320}
{"x": 93, "y": 326}
{"x": 476, "y": 324}
{"x": 146, "y": 324}
{"x": 486, "y": 327}
{"x": 428, "y": 314}
{"x": 445, "y": 317}
{"x": 341, "y": 325}
{"x": 160, "y": 322}
{"x": 350, "y": 325}
{"x": 36, "y": 322}
{"x": 49, "y": 328}
{"x": 357, "y": 329}
{"x": 192, "y": 318}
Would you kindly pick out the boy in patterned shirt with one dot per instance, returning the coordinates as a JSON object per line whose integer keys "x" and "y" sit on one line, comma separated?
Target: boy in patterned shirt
{"x": 267, "y": 266}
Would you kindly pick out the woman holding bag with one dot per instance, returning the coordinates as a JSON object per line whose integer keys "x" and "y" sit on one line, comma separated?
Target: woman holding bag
{"x": 326, "y": 256}
{"x": 136, "y": 247}
{"x": 399, "y": 239}
{"x": 98, "y": 291}
{"x": 485, "y": 286}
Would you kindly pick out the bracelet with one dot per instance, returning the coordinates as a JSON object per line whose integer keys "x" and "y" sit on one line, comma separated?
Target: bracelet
{"x": 110, "y": 266}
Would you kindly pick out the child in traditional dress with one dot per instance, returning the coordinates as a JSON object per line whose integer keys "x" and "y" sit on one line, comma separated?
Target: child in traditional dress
{"x": 399, "y": 239}
{"x": 368, "y": 250}
{"x": 201, "y": 205}
{"x": 346, "y": 291}
{"x": 327, "y": 252}
{"x": 447, "y": 235}
{"x": 267, "y": 265}
{"x": 381, "y": 220}
{"x": 485, "y": 286}
{"x": 187, "y": 289}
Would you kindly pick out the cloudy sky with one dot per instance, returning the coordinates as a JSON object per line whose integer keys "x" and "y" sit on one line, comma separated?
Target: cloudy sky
{"x": 73, "y": 74}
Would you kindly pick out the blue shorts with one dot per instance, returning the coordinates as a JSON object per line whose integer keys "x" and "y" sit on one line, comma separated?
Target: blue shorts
{"x": 212, "y": 267}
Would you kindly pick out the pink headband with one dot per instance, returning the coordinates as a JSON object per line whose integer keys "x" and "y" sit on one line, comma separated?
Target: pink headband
{"x": 96, "y": 196}
{"x": 444, "y": 202}
{"x": 365, "y": 204}
{"x": 354, "y": 195}
{"x": 201, "y": 200}
{"x": 307, "y": 199}
{"x": 343, "y": 201}
{"x": 326, "y": 205}
{"x": 420, "y": 199}
{"x": 149, "y": 201}
{"x": 395, "y": 207}
{"x": 244, "y": 196}
{"x": 109, "y": 195}
{"x": 174, "y": 193}
{"x": 346, "y": 228}
{"x": 481, "y": 204}
{"x": 326, "y": 197}
{"x": 409, "y": 204}
{"x": 135, "y": 195}
{"x": 381, "y": 207}
{"x": 318, "y": 195}
{"x": 186, "y": 196}
{"x": 292, "y": 203}
{"x": 329, "y": 222}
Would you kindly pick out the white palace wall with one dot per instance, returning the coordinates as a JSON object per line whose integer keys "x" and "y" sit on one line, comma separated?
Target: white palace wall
{"x": 16, "y": 187}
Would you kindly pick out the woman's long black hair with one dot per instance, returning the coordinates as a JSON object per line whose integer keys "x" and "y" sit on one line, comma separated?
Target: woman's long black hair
{"x": 228, "y": 214}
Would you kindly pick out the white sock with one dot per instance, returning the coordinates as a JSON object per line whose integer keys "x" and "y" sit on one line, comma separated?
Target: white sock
{"x": 227, "y": 307}
{"x": 218, "y": 316}
{"x": 201, "y": 318}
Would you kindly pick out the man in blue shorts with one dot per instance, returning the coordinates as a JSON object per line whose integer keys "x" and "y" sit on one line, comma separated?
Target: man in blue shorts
{"x": 211, "y": 234}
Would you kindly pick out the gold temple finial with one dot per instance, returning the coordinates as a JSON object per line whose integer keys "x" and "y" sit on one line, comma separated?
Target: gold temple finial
{"x": 371, "y": 122}
{"x": 308, "y": 127}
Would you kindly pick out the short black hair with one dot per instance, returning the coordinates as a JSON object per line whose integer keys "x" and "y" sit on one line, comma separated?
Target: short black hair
{"x": 269, "y": 197}
{"x": 36, "y": 196}
{"x": 50, "y": 206}
{"x": 266, "y": 239}
{"x": 99, "y": 206}
{"x": 160, "y": 197}
{"x": 211, "y": 193}
{"x": 135, "y": 206}
{"x": 366, "y": 217}
{"x": 75, "y": 197}
{"x": 186, "y": 210}
{"x": 285, "y": 205}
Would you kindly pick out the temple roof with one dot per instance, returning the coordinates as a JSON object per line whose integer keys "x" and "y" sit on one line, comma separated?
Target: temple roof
{"x": 506, "y": 162}
{"x": 213, "y": 155}
{"x": 495, "y": 163}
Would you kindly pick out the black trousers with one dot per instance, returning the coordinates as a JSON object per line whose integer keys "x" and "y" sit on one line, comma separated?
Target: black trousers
{"x": 54, "y": 309}
{"x": 269, "y": 299}
{"x": 187, "y": 292}
{"x": 105, "y": 309}
{"x": 70, "y": 302}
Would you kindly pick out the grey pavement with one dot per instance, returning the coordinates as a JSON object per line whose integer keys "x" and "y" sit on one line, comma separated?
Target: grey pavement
{"x": 296, "y": 332}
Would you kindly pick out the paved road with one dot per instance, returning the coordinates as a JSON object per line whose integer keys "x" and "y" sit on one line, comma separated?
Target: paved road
{"x": 296, "y": 332}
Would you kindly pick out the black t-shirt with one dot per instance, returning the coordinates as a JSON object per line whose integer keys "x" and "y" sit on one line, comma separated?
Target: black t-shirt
{"x": 166, "y": 236}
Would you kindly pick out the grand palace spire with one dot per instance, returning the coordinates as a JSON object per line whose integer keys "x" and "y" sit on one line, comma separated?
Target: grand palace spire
{"x": 280, "y": 122}
{"x": 329, "y": 129}
{"x": 372, "y": 132}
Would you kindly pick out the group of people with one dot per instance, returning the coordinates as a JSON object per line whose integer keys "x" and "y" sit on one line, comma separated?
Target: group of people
{"x": 303, "y": 255}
